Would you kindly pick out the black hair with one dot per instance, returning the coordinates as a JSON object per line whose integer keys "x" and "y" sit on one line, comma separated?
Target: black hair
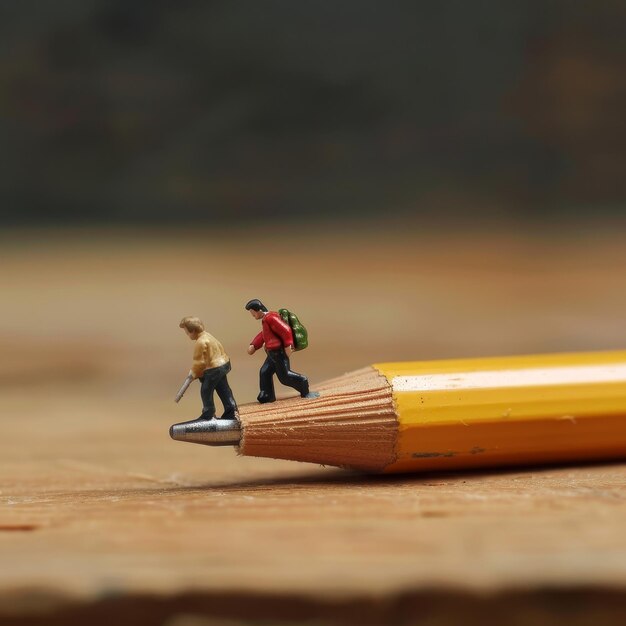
{"x": 256, "y": 305}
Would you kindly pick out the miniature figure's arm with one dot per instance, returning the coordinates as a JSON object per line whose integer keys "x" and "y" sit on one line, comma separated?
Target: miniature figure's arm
{"x": 199, "y": 359}
{"x": 256, "y": 343}
{"x": 282, "y": 329}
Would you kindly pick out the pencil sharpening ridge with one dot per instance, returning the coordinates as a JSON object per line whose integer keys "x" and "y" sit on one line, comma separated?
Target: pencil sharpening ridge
{"x": 352, "y": 424}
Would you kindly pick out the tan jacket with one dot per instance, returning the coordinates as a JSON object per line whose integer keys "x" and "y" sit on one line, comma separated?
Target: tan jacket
{"x": 208, "y": 352}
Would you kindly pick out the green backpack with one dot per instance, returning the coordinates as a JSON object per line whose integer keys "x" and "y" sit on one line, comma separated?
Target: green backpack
{"x": 300, "y": 334}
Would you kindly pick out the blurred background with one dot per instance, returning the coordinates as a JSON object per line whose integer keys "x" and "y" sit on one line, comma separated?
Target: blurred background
{"x": 152, "y": 112}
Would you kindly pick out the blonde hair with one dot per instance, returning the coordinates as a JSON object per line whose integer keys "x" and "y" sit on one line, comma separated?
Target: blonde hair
{"x": 192, "y": 324}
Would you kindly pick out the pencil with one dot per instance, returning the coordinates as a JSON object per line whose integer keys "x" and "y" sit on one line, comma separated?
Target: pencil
{"x": 442, "y": 415}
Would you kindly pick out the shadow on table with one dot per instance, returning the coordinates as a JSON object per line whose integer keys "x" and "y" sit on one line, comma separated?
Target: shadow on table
{"x": 348, "y": 478}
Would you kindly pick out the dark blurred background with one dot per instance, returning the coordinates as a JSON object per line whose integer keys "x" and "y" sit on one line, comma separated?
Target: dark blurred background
{"x": 150, "y": 110}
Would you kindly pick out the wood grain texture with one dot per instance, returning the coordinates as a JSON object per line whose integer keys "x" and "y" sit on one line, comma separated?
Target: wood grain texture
{"x": 351, "y": 424}
{"x": 104, "y": 519}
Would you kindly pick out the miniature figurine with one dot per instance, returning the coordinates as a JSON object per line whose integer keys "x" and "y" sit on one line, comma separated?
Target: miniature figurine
{"x": 211, "y": 365}
{"x": 278, "y": 337}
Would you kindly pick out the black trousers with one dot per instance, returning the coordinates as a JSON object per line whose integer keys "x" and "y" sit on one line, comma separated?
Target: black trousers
{"x": 214, "y": 379}
{"x": 277, "y": 362}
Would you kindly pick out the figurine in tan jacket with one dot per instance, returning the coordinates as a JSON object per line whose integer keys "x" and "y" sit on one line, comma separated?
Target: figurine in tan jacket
{"x": 211, "y": 366}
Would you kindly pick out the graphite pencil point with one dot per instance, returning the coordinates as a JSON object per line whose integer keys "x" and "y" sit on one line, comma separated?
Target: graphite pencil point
{"x": 212, "y": 432}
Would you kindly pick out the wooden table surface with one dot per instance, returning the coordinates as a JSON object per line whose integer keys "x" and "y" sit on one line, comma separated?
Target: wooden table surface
{"x": 103, "y": 517}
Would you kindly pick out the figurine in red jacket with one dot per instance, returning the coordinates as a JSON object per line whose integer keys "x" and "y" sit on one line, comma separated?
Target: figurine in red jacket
{"x": 277, "y": 336}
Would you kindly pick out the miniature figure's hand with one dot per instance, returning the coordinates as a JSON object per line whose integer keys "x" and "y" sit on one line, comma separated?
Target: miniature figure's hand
{"x": 289, "y": 349}
{"x": 251, "y": 349}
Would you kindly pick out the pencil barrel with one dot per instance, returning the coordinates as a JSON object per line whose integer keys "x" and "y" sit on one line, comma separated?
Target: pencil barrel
{"x": 468, "y": 413}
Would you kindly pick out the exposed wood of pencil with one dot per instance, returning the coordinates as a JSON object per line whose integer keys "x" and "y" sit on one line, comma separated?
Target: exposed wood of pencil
{"x": 352, "y": 424}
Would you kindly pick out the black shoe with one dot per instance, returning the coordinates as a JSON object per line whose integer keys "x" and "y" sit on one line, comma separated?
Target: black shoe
{"x": 205, "y": 416}
{"x": 264, "y": 398}
{"x": 230, "y": 415}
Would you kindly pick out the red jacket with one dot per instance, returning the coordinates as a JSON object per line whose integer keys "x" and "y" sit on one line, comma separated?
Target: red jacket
{"x": 276, "y": 333}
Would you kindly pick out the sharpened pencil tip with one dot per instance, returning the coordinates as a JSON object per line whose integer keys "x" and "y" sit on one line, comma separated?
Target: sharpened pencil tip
{"x": 213, "y": 432}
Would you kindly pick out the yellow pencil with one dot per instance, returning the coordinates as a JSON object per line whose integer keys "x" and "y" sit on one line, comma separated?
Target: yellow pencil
{"x": 442, "y": 415}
